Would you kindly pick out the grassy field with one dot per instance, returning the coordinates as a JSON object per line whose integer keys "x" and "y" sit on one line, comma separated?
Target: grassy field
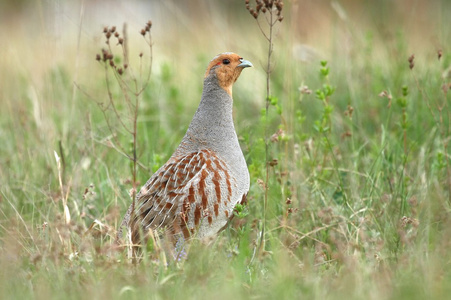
{"x": 358, "y": 131}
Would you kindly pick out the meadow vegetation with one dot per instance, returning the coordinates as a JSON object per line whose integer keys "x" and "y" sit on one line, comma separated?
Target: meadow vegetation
{"x": 352, "y": 152}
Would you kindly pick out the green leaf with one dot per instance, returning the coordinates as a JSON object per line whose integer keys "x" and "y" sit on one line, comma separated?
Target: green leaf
{"x": 241, "y": 211}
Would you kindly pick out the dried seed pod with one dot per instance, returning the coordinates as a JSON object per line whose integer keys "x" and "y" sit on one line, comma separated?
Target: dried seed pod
{"x": 274, "y": 162}
{"x": 410, "y": 60}
{"x": 104, "y": 54}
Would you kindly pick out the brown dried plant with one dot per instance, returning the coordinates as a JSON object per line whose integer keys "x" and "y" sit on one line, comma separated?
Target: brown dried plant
{"x": 121, "y": 112}
{"x": 271, "y": 12}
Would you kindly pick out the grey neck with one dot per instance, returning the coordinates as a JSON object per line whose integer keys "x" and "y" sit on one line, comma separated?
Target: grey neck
{"x": 212, "y": 124}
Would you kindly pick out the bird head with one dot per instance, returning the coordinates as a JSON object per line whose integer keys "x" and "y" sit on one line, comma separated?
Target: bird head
{"x": 227, "y": 67}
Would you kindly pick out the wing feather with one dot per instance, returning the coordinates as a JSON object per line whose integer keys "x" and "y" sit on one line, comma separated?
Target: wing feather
{"x": 160, "y": 200}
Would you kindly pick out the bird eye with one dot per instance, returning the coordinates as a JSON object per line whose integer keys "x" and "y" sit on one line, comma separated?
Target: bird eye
{"x": 226, "y": 61}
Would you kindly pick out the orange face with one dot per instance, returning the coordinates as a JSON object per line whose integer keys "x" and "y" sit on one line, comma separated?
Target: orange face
{"x": 227, "y": 67}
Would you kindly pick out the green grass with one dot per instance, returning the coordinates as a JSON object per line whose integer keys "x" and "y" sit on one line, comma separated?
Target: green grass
{"x": 359, "y": 201}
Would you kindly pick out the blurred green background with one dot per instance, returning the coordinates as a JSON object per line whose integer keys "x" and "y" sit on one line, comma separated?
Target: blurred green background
{"x": 359, "y": 200}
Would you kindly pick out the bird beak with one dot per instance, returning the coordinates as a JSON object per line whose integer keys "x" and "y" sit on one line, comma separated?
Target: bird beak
{"x": 245, "y": 63}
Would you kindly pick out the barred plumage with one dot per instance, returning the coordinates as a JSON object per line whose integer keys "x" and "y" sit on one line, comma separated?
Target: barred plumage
{"x": 186, "y": 192}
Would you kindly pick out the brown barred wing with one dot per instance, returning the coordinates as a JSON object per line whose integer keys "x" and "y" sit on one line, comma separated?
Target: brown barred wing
{"x": 187, "y": 192}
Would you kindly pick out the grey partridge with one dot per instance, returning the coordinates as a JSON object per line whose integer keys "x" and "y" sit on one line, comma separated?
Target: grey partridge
{"x": 194, "y": 193}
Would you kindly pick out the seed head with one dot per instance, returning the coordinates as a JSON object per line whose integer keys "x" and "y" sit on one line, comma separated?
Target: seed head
{"x": 98, "y": 57}
{"x": 439, "y": 54}
{"x": 346, "y": 134}
{"x": 349, "y": 111}
{"x": 104, "y": 54}
{"x": 266, "y": 3}
{"x": 410, "y": 60}
{"x": 113, "y": 29}
{"x": 143, "y": 32}
{"x": 305, "y": 90}
{"x": 273, "y": 162}
{"x": 258, "y": 7}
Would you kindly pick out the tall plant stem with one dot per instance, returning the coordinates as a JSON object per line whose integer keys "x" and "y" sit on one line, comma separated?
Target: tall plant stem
{"x": 268, "y": 99}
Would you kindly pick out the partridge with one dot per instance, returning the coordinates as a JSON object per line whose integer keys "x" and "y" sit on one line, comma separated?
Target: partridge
{"x": 194, "y": 193}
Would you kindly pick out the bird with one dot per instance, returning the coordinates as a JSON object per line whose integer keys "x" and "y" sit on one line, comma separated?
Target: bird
{"x": 194, "y": 193}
